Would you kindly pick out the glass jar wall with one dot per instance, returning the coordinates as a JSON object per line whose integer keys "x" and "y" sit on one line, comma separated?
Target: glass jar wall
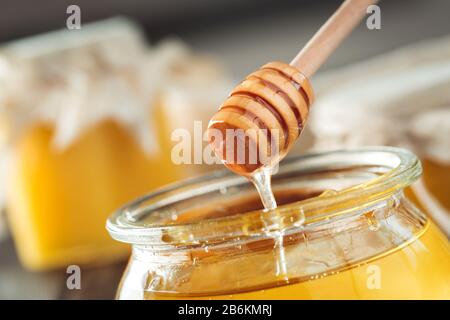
{"x": 344, "y": 229}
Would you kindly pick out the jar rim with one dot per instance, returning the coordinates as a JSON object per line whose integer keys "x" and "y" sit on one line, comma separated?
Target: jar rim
{"x": 401, "y": 168}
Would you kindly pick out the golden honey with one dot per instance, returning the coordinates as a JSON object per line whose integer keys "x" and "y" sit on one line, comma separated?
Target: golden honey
{"x": 58, "y": 200}
{"x": 348, "y": 230}
{"x": 410, "y": 272}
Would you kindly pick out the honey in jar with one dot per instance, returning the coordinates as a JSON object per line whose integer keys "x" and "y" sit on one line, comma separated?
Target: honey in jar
{"x": 348, "y": 229}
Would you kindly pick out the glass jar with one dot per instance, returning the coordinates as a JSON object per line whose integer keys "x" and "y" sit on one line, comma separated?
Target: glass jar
{"x": 344, "y": 229}
{"x": 58, "y": 201}
{"x": 86, "y": 121}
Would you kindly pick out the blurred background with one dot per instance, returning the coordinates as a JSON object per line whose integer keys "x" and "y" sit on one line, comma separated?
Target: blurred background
{"x": 86, "y": 115}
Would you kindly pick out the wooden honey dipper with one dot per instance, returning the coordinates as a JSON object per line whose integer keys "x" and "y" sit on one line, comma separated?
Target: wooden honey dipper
{"x": 264, "y": 115}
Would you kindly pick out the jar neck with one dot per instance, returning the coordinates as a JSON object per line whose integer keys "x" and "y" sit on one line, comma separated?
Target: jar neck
{"x": 395, "y": 216}
{"x": 354, "y": 181}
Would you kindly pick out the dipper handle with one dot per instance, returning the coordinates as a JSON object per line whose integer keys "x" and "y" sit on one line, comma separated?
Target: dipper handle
{"x": 330, "y": 35}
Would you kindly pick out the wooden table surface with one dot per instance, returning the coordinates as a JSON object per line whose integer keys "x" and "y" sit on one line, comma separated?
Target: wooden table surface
{"x": 17, "y": 283}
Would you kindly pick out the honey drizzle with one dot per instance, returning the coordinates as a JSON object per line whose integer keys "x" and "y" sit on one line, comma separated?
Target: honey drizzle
{"x": 262, "y": 181}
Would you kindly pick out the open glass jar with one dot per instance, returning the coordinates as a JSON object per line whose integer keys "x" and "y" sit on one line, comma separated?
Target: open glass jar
{"x": 348, "y": 231}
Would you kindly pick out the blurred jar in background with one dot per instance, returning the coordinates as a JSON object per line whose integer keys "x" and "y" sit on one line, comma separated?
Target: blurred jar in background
{"x": 196, "y": 88}
{"x": 398, "y": 99}
{"x": 88, "y": 132}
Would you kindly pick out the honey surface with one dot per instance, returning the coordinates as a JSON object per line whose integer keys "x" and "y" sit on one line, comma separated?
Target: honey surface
{"x": 244, "y": 204}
